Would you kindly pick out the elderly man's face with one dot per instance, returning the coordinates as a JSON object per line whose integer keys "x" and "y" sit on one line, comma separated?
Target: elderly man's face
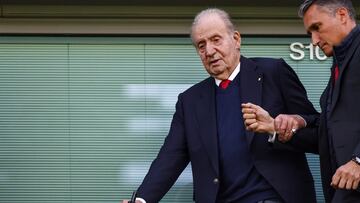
{"x": 217, "y": 47}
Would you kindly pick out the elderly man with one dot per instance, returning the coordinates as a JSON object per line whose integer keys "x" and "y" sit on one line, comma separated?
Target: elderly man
{"x": 207, "y": 130}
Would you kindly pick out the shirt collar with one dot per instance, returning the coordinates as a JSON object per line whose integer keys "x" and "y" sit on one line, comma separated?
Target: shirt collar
{"x": 232, "y": 76}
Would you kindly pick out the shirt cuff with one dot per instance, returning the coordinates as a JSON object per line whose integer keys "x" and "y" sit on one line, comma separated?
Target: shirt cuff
{"x": 356, "y": 159}
{"x": 272, "y": 137}
{"x": 141, "y": 200}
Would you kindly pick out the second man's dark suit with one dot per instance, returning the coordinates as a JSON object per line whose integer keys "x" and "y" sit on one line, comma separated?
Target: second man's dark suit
{"x": 193, "y": 136}
{"x": 341, "y": 122}
{"x": 337, "y": 137}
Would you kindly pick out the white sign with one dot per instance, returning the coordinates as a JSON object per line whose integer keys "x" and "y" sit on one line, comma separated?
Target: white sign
{"x": 298, "y": 52}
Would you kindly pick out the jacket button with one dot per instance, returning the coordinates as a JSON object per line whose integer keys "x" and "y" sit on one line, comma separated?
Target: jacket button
{"x": 216, "y": 181}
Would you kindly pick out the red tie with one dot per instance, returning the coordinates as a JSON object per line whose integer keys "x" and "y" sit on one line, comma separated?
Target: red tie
{"x": 336, "y": 72}
{"x": 224, "y": 84}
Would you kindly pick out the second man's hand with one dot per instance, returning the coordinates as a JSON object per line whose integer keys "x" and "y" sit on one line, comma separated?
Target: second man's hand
{"x": 347, "y": 176}
{"x": 287, "y": 125}
{"x": 256, "y": 119}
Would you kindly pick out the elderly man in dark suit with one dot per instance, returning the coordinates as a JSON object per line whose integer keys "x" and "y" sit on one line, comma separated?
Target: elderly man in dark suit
{"x": 230, "y": 164}
{"x": 332, "y": 26}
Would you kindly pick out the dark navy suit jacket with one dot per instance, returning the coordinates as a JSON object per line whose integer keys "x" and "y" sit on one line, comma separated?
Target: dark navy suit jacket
{"x": 192, "y": 138}
{"x": 337, "y": 137}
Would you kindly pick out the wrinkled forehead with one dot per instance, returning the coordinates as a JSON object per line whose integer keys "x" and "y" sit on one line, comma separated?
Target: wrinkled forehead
{"x": 208, "y": 25}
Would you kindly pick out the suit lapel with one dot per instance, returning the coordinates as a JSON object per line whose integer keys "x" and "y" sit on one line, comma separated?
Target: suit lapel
{"x": 336, "y": 90}
{"x": 250, "y": 86}
{"x": 206, "y": 118}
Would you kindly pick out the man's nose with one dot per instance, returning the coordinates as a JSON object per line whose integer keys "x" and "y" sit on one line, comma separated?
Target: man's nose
{"x": 210, "y": 50}
{"x": 315, "y": 39}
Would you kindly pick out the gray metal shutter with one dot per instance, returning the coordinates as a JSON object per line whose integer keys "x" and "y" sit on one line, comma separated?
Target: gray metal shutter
{"x": 82, "y": 118}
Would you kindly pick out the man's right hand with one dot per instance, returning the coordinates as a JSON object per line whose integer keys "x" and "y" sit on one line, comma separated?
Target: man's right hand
{"x": 287, "y": 125}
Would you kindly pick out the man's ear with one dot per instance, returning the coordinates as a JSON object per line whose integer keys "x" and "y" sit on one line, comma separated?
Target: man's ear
{"x": 237, "y": 38}
{"x": 343, "y": 14}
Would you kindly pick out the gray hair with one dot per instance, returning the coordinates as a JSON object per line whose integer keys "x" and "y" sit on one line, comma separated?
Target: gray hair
{"x": 213, "y": 11}
{"x": 331, "y": 5}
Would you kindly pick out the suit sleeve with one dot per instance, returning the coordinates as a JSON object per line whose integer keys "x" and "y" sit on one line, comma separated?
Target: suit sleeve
{"x": 357, "y": 150}
{"x": 295, "y": 97}
{"x": 305, "y": 140}
{"x": 170, "y": 162}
